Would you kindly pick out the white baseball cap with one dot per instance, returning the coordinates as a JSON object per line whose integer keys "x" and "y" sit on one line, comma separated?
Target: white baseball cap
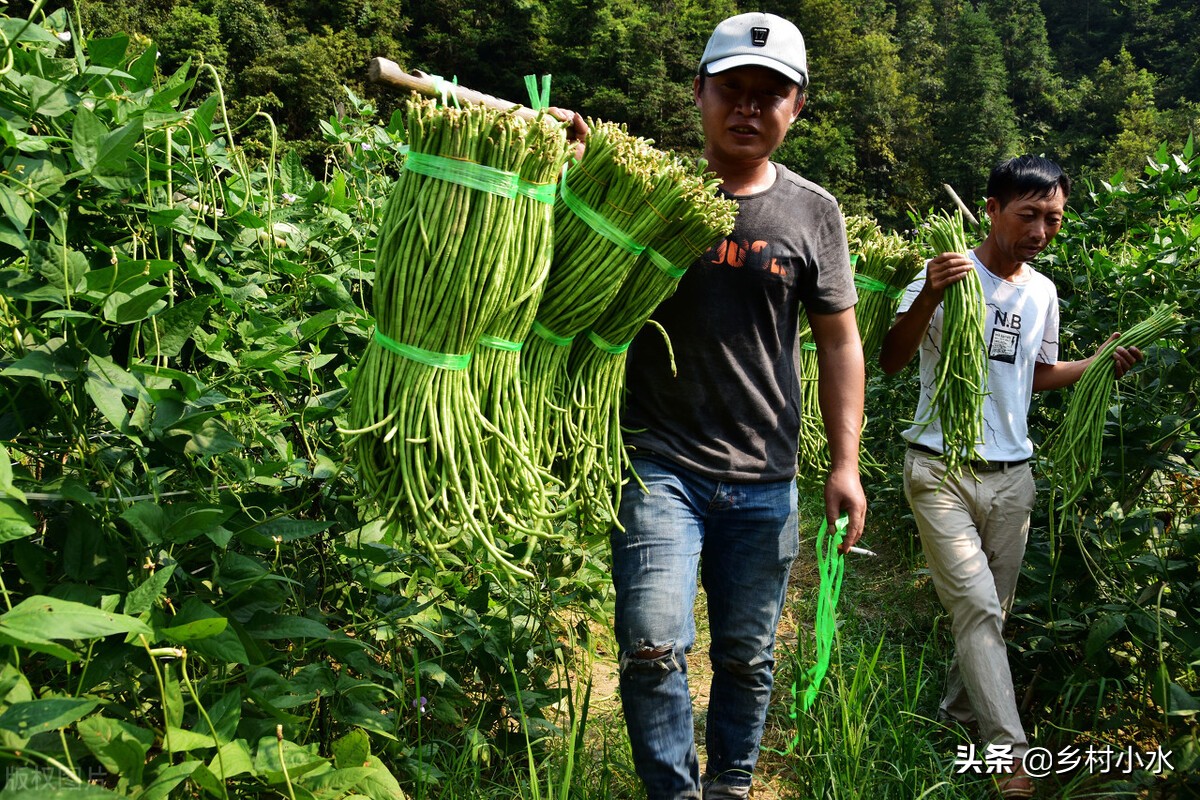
{"x": 764, "y": 40}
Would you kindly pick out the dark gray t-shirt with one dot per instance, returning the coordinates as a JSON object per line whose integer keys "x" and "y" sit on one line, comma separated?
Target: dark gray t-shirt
{"x": 733, "y": 411}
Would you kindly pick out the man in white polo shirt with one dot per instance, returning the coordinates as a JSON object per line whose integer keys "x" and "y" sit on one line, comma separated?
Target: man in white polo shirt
{"x": 973, "y": 527}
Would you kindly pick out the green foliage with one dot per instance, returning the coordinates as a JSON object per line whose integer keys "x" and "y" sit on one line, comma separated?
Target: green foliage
{"x": 1111, "y": 597}
{"x": 195, "y": 602}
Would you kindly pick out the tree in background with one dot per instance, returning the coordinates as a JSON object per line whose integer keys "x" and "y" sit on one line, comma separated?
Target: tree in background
{"x": 905, "y": 94}
{"x": 1034, "y": 85}
{"x": 973, "y": 120}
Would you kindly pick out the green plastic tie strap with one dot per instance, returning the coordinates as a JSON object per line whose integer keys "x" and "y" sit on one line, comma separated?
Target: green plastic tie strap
{"x": 808, "y": 346}
{"x": 832, "y": 568}
{"x": 496, "y": 343}
{"x": 464, "y": 173}
{"x": 542, "y": 192}
{"x": 869, "y": 284}
{"x": 550, "y": 336}
{"x": 596, "y": 221}
{"x": 447, "y": 89}
{"x": 538, "y": 100}
{"x": 451, "y": 361}
{"x": 607, "y": 346}
{"x": 662, "y": 263}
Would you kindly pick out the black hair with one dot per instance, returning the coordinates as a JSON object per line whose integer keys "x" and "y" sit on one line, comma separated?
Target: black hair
{"x": 1026, "y": 176}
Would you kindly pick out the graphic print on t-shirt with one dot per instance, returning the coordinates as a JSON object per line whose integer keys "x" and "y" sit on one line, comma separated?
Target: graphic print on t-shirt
{"x": 1006, "y": 336}
{"x": 755, "y": 255}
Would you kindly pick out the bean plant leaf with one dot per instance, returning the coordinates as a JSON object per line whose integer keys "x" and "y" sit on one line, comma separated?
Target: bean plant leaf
{"x": 380, "y": 784}
{"x": 86, "y": 133}
{"x": 148, "y": 519}
{"x": 144, "y": 597}
{"x": 109, "y": 51}
{"x": 352, "y": 750}
{"x": 293, "y": 177}
{"x": 16, "y": 520}
{"x": 181, "y": 740}
{"x": 271, "y": 755}
{"x": 1103, "y": 629}
{"x": 162, "y": 784}
{"x": 119, "y": 746}
{"x": 57, "y": 790}
{"x": 197, "y": 629}
{"x": 6, "y": 477}
{"x": 15, "y": 208}
{"x": 286, "y": 626}
{"x": 143, "y": 302}
{"x": 60, "y": 267}
{"x": 224, "y": 647}
{"x": 108, "y": 385}
{"x": 173, "y": 328}
{"x": 47, "y": 98}
{"x": 116, "y": 147}
{"x": 52, "y": 618}
{"x": 210, "y": 438}
{"x": 38, "y": 716}
{"x": 336, "y": 782}
{"x": 53, "y": 360}
{"x": 231, "y": 760}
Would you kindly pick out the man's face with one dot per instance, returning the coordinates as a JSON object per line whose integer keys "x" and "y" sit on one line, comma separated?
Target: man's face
{"x": 745, "y": 112}
{"x": 1024, "y": 227}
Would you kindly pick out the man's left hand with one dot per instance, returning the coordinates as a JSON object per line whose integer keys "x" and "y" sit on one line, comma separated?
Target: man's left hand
{"x": 844, "y": 493}
{"x": 1124, "y": 358}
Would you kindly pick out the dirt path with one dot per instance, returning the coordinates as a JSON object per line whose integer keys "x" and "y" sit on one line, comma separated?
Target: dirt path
{"x": 606, "y": 702}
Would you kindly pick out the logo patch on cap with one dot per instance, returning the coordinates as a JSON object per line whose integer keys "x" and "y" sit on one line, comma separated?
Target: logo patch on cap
{"x": 758, "y": 36}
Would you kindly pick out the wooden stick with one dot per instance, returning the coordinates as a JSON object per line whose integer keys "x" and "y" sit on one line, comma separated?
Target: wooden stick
{"x": 961, "y": 205}
{"x": 381, "y": 70}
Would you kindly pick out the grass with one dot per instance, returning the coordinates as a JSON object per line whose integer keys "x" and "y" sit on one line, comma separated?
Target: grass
{"x": 872, "y": 733}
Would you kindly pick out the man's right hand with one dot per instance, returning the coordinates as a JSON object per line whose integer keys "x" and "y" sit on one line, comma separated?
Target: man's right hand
{"x": 901, "y": 341}
{"x": 943, "y": 270}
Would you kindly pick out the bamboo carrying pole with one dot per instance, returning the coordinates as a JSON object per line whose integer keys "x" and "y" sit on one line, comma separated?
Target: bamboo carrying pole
{"x": 381, "y": 70}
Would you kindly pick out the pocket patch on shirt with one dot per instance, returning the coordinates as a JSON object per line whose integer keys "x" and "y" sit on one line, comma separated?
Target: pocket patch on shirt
{"x": 1003, "y": 346}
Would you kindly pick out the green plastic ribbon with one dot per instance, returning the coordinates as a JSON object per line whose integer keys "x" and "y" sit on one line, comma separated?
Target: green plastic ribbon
{"x": 596, "y": 221}
{"x": 869, "y": 284}
{"x": 542, "y": 192}
{"x": 451, "y": 361}
{"x": 550, "y": 336}
{"x": 808, "y": 346}
{"x": 538, "y": 100}
{"x": 496, "y": 343}
{"x": 831, "y": 565}
{"x": 479, "y": 176}
{"x": 464, "y": 173}
{"x": 607, "y": 346}
{"x": 662, "y": 263}
{"x": 447, "y": 89}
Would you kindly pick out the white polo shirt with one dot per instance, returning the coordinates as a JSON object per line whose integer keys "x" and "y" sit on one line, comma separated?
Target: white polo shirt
{"x": 1021, "y": 329}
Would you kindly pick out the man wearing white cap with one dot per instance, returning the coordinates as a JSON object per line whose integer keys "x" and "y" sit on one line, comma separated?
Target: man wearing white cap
{"x": 714, "y": 442}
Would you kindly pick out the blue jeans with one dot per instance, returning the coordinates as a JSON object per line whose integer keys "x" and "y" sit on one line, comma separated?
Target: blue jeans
{"x": 743, "y": 538}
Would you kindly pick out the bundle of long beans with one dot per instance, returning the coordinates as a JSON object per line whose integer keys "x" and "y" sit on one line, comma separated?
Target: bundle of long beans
{"x": 602, "y": 220}
{"x": 813, "y": 452}
{"x": 495, "y": 368}
{"x": 886, "y": 264}
{"x": 960, "y": 380}
{"x": 446, "y": 238}
{"x": 693, "y": 218}
{"x": 1073, "y": 449}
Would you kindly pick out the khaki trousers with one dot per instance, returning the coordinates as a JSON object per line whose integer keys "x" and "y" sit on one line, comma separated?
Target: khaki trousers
{"x": 973, "y": 533}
